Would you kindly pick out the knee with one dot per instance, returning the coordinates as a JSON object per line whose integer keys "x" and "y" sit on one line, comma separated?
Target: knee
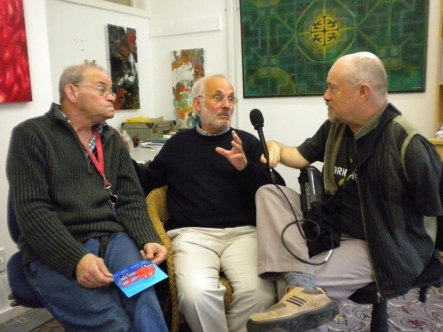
{"x": 265, "y": 190}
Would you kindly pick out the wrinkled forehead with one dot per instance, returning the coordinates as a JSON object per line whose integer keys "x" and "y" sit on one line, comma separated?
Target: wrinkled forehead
{"x": 219, "y": 85}
{"x": 97, "y": 76}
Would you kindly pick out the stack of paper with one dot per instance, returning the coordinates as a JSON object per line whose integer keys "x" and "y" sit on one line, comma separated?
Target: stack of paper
{"x": 154, "y": 144}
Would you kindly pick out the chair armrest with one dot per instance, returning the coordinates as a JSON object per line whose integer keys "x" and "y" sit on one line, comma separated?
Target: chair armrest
{"x": 158, "y": 213}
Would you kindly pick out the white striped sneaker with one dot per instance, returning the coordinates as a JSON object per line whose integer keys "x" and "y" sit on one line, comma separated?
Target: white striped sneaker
{"x": 299, "y": 310}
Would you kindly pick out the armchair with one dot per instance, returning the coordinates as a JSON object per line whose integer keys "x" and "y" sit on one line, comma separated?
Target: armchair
{"x": 158, "y": 213}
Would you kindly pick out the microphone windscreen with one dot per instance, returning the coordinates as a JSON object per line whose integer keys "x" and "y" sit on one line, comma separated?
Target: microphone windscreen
{"x": 256, "y": 117}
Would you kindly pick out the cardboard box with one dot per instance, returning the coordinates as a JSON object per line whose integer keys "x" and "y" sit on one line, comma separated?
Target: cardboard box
{"x": 146, "y": 131}
{"x": 145, "y": 119}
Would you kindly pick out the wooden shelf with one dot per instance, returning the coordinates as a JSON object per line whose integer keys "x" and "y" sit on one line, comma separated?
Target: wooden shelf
{"x": 438, "y": 142}
{"x": 439, "y": 105}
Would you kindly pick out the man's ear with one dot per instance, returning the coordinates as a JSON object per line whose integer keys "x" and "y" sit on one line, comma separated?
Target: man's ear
{"x": 196, "y": 103}
{"x": 365, "y": 90}
{"x": 70, "y": 93}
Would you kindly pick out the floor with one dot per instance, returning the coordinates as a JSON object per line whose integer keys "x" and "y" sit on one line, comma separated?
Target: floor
{"x": 27, "y": 321}
{"x": 406, "y": 314}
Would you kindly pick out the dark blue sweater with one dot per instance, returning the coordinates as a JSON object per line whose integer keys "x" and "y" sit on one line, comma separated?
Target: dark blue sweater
{"x": 204, "y": 189}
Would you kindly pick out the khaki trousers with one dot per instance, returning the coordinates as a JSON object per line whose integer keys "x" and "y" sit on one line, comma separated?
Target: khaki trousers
{"x": 347, "y": 270}
{"x": 199, "y": 255}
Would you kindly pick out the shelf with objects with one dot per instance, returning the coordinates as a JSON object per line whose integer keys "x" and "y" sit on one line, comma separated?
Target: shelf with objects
{"x": 438, "y": 121}
{"x": 438, "y": 139}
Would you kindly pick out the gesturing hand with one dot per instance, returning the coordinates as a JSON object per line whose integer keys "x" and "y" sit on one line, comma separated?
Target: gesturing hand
{"x": 236, "y": 155}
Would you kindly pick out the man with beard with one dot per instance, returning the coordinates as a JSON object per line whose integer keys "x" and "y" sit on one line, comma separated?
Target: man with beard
{"x": 380, "y": 215}
{"x": 213, "y": 172}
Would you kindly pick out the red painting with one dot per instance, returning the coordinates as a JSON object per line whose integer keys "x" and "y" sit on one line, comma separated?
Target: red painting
{"x": 15, "y": 82}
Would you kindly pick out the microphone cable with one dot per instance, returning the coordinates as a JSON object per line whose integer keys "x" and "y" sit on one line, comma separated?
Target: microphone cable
{"x": 297, "y": 222}
{"x": 257, "y": 121}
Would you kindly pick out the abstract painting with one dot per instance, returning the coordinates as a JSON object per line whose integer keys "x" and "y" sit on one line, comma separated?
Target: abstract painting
{"x": 288, "y": 46}
{"x": 15, "y": 81}
{"x": 187, "y": 67}
{"x": 124, "y": 67}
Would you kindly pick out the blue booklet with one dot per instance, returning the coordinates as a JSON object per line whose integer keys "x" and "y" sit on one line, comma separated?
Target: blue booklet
{"x": 137, "y": 277}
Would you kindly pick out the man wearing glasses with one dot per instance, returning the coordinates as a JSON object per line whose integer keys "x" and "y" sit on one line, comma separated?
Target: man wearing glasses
{"x": 81, "y": 210}
{"x": 212, "y": 173}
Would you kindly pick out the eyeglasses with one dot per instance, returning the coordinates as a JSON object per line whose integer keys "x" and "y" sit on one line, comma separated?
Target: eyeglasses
{"x": 101, "y": 90}
{"x": 220, "y": 100}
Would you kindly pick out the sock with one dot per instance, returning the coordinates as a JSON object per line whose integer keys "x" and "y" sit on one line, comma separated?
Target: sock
{"x": 299, "y": 279}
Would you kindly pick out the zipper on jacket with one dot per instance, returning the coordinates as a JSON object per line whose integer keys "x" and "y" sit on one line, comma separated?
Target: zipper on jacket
{"x": 379, "y": 297}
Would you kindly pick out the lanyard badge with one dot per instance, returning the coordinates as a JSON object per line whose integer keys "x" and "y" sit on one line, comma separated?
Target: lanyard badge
{"x": 99, "y": 164}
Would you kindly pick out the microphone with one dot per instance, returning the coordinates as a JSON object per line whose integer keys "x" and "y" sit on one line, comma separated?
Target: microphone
{"x": 257, "y": 121}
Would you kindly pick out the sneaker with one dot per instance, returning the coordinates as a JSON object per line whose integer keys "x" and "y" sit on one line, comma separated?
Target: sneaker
{"x": 299, "y": 310}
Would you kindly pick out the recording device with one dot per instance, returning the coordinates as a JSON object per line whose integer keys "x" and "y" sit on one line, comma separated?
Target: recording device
{"x": 257, "y": 121}
{"x": 311, "y": 187}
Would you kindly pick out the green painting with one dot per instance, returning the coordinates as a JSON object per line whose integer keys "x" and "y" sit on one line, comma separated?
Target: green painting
{"x": 288, "y": 46}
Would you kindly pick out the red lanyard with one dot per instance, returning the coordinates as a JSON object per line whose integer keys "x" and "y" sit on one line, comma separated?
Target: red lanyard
{"x": 99, "y": 162}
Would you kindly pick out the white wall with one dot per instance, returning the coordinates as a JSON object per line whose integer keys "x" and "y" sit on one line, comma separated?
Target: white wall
{"x": 12, "y": 114}
{"x": 76, "y": 32}
{"x": 52, "y": 26}
{"x": 214, "y": 44}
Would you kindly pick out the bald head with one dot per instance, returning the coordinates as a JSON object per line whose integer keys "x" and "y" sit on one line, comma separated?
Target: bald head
{"x": 357, "y": 89}
{"x": 365, "y": 67}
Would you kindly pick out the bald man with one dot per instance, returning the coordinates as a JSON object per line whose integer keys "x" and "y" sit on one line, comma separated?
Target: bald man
{"x": 381, "y": 209}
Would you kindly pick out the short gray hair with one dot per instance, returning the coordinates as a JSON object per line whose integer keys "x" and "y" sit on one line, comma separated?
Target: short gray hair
{"x": 199, "y": 87}
{"x": 73, "y": 75}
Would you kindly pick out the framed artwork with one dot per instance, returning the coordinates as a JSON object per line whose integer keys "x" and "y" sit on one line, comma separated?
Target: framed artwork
{"x": 15, "y": 80}
{"x": 124, "y": 67}
{"x": 289, "y": 46}
{"x": 187, "y": 67}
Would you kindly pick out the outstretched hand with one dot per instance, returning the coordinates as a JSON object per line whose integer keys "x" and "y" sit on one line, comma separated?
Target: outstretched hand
{"x": 236, "y": 156}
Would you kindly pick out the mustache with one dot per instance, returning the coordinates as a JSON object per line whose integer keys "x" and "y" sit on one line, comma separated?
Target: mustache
{"x": 223, "y": 113}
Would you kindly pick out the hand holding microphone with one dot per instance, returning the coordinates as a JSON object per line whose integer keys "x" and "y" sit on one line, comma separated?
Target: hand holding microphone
{"x": 257, "y": 121}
